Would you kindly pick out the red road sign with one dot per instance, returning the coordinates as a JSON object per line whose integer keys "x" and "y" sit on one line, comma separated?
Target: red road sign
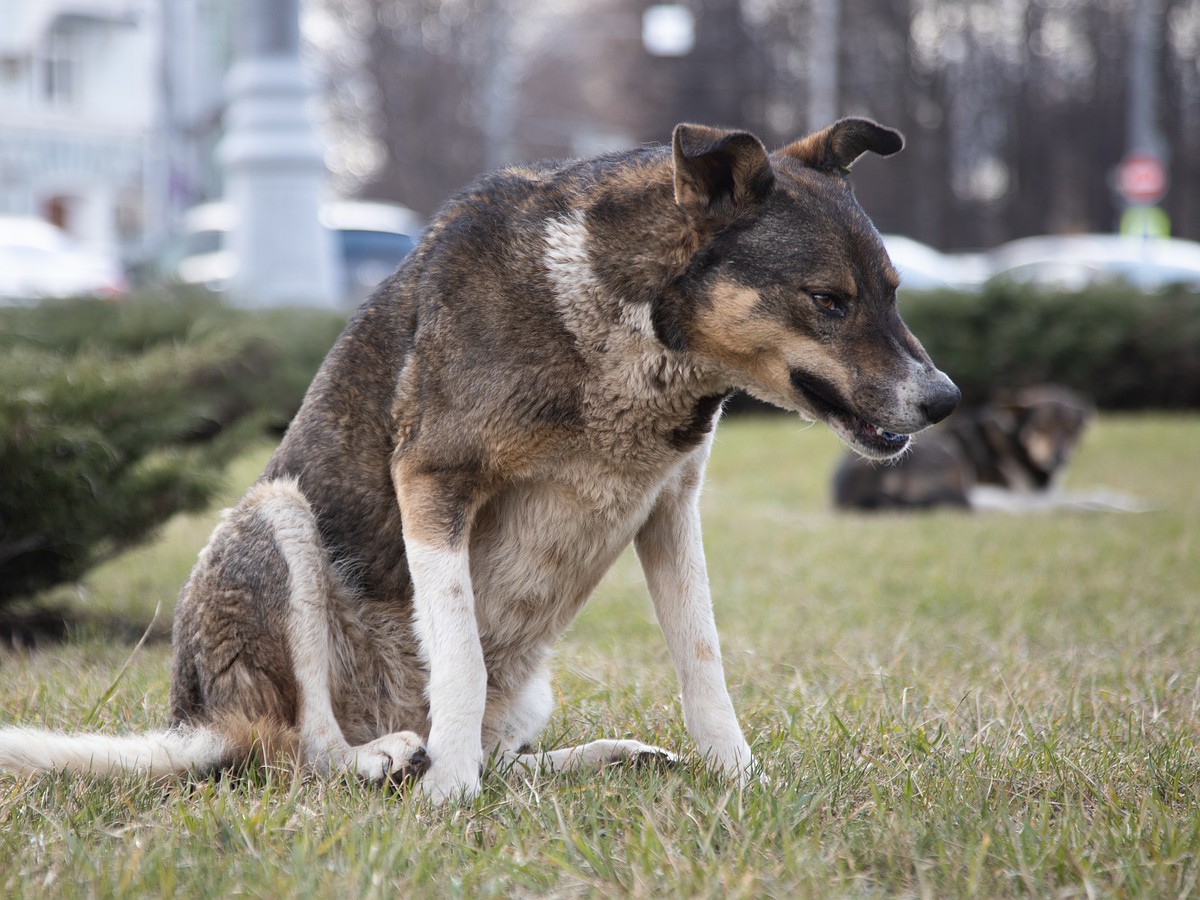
{"x": 1142, "y": 179}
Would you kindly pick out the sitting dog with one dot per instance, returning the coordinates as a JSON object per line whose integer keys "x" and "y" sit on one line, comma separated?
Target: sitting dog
{"x": 1006, "y": 455}
{"x": 534, "y": 389}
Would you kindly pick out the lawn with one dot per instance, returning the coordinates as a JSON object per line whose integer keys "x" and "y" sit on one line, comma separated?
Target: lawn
{"x": 945, "y": 704}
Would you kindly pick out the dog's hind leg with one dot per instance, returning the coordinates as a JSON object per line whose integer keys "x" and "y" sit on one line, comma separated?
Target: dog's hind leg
{"x": 510, "y": 727}
{"x": 591, "y": 755}
{"x": 313, "y": 588}
{"x": 514, "y": 720}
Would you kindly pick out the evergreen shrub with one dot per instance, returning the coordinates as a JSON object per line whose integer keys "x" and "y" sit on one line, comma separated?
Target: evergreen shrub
{"x": 1124, "y": 349}
{"x": 116, "y": 416}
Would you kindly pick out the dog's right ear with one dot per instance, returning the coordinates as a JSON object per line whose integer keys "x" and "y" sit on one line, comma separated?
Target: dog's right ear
{"x": 718, "y": 173}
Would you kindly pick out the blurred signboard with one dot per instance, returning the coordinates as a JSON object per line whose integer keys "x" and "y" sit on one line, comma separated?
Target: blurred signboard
{"x": 1142, "y": 179}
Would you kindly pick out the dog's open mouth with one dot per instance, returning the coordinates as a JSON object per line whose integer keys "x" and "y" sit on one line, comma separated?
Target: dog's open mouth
{"x": 865, "y": 437}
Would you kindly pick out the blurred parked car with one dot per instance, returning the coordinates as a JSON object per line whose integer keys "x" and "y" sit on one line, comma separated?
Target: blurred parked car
{"x": 39, "y": 260}
{"x": 1074, "y": 262}
{"x": 371, "y": 240}
{"x": 922, "y": 268}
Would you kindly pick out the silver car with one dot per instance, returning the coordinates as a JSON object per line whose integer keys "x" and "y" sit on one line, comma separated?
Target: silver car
{"x": 39, "y": 260}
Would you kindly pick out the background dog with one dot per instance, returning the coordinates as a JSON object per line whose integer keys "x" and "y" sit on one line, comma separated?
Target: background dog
{"x": 533, "y": 390}
{"x": 1008, "y": 455}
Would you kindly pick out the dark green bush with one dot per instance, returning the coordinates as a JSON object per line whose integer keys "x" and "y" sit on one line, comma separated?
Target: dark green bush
{"x": 1124, "y": 349}
{"x": 269, "y": 357}
{"x": 114, "y": 417}
{"x": 94, "y": 453}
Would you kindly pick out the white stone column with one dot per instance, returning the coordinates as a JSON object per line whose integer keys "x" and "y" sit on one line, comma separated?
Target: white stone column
{"x": 274, "y": 168}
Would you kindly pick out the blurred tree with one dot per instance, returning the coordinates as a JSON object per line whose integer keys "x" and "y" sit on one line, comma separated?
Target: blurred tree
{"x": 418, "y": 102}
{"x": 1015, "y": 110}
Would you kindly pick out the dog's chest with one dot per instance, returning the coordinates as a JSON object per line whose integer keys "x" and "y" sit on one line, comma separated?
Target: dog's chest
{"x": 541, "y": 546}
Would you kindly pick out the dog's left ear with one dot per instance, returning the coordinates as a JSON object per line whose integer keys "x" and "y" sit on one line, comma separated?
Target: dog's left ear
{"x": 835, "y": 148}
{"x": 718, "y": 173}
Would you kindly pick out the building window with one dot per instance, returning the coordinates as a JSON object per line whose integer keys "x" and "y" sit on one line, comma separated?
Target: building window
{"x": 60, "y": 67}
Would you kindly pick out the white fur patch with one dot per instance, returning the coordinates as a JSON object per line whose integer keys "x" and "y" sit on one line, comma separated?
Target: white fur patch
{"x": 589, "y": 311}
{"x": 588, "y": 756}
{"x": 444, "y": 619}
{"x": 634, "y": 382}
{"x": 518, "y": 720}
{"x": 308, "y": 626}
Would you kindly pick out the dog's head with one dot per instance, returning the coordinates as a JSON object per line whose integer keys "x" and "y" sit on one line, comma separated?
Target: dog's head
{"x": 790, "y": 289}
{"x": 1048, "y": 422}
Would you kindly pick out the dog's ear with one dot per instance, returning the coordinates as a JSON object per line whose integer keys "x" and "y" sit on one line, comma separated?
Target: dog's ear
{"x": 835, "y": 148}
{"x": 718, "y": 173}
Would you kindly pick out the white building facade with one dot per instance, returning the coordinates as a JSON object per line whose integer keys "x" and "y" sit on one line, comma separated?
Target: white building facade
{"x": 109, "y": 110}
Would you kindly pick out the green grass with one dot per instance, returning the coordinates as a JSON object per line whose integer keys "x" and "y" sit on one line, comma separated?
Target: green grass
{"x": 946, "y": 704}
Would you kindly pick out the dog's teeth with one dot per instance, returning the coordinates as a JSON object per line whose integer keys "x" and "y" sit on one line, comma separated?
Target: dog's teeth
{"x": 887, "y": 435}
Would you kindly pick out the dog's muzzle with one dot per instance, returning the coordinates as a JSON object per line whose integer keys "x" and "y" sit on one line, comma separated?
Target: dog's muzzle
{"x": 938, "y": 397}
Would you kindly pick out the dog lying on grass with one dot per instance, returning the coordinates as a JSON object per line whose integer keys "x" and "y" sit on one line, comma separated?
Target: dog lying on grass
{"x": 1008, "y": 455}
{"x": 534, "y": 389}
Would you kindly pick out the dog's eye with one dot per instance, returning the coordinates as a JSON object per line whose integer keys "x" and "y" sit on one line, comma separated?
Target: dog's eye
{"x": 829, "y": 305}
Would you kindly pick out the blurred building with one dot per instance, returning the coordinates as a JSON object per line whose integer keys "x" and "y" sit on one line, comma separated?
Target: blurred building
{"x": 109, "y": 110}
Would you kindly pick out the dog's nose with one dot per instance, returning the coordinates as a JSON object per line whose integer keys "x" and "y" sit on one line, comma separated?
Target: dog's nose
{"x": 942, "y": 400}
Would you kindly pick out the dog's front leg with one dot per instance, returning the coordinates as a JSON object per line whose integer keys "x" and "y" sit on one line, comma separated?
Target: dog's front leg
{"x": 436, "y": 525}
{"x": 672, "y": 555}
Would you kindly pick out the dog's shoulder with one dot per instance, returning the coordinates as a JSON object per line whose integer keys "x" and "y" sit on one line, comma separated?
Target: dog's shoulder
{"x": 534, "y": 294}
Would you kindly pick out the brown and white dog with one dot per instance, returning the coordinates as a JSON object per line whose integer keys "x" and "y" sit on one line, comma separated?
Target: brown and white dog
{"x": 1008, "y": 455}
{"x": 535, "y": 388}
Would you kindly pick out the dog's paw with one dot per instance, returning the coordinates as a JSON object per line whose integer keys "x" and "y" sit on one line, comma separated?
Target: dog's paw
{"x": 442, "y": 784}
{"x": 655, "y": 758}
{"x": 396, "y": 759}
{"x": 750, "y": 775}
{"x": 733, "y": 760}
{"x": 411, "y": 771}
{"x": 637, "y": 755}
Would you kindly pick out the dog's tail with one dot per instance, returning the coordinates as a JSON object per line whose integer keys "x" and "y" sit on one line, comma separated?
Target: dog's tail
{"x": 200, "y": 749}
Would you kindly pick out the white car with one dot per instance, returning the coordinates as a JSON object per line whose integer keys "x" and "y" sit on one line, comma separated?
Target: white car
{"x": 922, "y": 268}
{"x": 371, "y": 239}
{"x": 39, "y": 260}
{"x": 1074, "y": 262}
